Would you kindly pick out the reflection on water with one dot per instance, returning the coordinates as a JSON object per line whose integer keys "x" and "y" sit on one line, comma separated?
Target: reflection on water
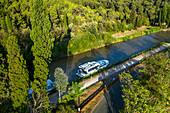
{"x": 114, "y": 53}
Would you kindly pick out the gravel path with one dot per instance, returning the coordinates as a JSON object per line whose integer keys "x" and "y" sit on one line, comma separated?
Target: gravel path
{"x": 118, "y": 68}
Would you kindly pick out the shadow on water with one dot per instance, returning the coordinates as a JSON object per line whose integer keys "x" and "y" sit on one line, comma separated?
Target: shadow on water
{"x": 113, "y": 101}
{"x": 114, "y": 53}
{"x": 60, "y": 50}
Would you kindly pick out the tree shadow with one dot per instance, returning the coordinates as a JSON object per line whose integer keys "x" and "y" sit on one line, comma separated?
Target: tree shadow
{"x": 60, "y": 45}
{"x": 85, "y": 102}
{"x": 113, "y": 101}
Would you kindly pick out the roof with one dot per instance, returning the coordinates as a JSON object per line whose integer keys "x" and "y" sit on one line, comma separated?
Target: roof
{"x": 89, "y": 65}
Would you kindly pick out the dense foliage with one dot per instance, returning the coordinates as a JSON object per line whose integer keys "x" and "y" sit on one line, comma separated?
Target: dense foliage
{"x": 149, "y": 93}
{"x": 18, "y": 74}
{"x": 33, "y": 32}
{"x": 41, "y": 49}
{"x": 77, "y": 19}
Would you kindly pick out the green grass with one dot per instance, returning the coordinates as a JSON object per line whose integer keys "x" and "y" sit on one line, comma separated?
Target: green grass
{"x": 87, "y": 41}
{"x": 80, "y": 79}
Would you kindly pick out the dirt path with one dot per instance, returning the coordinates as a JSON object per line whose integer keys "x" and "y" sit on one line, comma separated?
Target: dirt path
{"x": 121, "y": 35}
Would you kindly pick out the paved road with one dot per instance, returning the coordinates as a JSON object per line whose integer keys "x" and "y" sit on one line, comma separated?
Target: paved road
{"x": 112, "y": 102}
{"x": 123, "y": 66}
{"x": 117, "y": 68}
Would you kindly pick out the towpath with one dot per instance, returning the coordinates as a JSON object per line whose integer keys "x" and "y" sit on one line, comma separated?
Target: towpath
{"x": 118, "y": 68}
{"x": 124, "y": 65}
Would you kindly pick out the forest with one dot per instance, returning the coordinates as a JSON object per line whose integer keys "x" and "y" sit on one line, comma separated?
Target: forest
{"x": 148, "y": 92}
{"x": 87, "y": 20}
{"x": 33, "y": 33}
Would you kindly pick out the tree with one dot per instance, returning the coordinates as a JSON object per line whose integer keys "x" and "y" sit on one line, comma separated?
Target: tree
{"x": 122, "y": 27}
{"x": 17, "y": 73}
{"x": 156, "y": 14}
{"x": 139, "y": 21}
{"x": 4, "y": 92}
{"x": 43, "y": 44}
{"x": 160, "y": 22}
{"x": 61, "y": 81}
{"x": 150, "y": 92}
{"x": 4, "y": 25}
{"x": 168, "y": 17}
{"x": 164, "y": 14}
{"x": 65, "y": 108}
{"x": 135, "y": 96}
{"x": 115, "y": 28}
{"x": 75, "y": 91}
{"x": 9, "y": 23}
{"x": 133, "y": 16}
{"x": 156, "y": 73}
{"x": 65, "y": 22}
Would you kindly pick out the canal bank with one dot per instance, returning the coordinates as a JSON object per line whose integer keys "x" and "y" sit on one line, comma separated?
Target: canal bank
{"x": 119, "y": 68}
{"x": 111, "y": 101}
{"x": 114, "y": 53}
{"x": 123, "y": 66}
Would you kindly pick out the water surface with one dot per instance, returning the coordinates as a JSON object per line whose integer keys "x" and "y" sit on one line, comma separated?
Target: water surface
{"x": 114, "y": 53}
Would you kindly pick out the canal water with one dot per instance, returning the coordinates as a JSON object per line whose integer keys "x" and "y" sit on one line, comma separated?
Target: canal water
{"x": 114, "y": 53}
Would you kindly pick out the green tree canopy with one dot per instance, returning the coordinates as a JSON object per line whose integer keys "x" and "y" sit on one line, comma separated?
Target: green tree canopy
{"x": 61, "y": 81}
{"x": 18, "y": 74}
{"x": 149, "y": 93}
{"x": 42, "y": 46}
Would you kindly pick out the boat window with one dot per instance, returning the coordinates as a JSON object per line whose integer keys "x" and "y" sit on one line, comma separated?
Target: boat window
{"x": 96, "y": 67}
{"x": 84, "y": 72}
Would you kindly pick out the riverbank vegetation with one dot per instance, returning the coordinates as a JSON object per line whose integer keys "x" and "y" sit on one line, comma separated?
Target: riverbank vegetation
{"x": 76, "y": 24}
{"x": 149, "y": 93}
{"x": 90, "y": 41}
{"x": 86, "y": 78}
{"x": 91, "y": 104}
{"x": 35, "y": 32}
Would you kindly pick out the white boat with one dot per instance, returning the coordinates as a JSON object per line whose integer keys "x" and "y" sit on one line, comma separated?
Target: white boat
{"x": 91, "y": 67}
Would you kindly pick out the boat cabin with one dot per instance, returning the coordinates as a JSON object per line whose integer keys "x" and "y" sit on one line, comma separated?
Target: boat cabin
{"x": 89, "y": 67}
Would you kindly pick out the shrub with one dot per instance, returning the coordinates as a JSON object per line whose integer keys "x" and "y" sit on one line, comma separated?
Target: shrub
{"x": 164, "y": 26}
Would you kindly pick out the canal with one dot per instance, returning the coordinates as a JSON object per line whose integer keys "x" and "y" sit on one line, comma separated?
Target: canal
{"x": 112, "y": 102}
{"x": 114, "y": 53}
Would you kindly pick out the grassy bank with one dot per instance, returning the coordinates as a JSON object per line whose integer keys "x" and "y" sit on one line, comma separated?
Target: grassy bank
{"x": 93, "y": 103}
{"x": 90, "y": 41}
{"x": 106, "y": 68}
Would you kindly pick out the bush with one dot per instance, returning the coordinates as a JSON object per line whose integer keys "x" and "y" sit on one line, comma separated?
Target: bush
{"x": 164, "y": 26}
{"x": 87, "y": 41}
{"x": 107, "y": 39}
{"x": 115, "y": 29}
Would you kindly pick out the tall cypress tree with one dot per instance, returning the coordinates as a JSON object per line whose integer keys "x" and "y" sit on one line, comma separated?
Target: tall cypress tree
{"x": 65, "y": 21}
{"x": 4, "y": 25}
{"x": 41, "y": 37}
{"x": 168, "y": 17}
{"x": 9, "y": 23}
{"x": 160, "y": 22}
{"x": 164, "y": 14}
{"x": 133, "y": 16}
{"x": 17, "y": 73}
{"x": 3, "y": 79}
